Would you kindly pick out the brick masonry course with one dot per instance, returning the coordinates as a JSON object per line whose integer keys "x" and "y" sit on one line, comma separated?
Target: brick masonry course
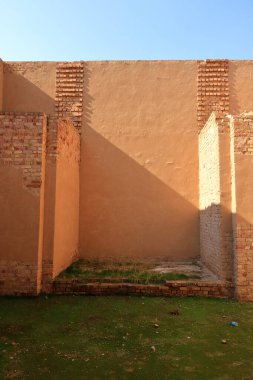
{"x": 23, "y": 144}
{"x": 213, "y": 90}
{"x": 69, "y": 92}
{"x": 218, "y": 289}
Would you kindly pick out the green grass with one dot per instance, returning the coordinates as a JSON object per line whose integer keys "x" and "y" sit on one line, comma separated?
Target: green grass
{"x": 133, "y": 272}
{"x": 111, "y": 338}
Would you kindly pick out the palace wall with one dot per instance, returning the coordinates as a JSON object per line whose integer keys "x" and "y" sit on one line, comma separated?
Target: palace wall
{"x": 139, "y": 160}
{"x": 66, "y": 234}
{"x": 118, "y": 144}
{"x": 1, "y": 83}
{"x": 22, "y": 181}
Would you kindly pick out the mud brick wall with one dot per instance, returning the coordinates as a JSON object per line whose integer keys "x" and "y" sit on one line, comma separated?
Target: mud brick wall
{"x": 243, "y": 134}
{"x": 1, "y": 84}
{"x": 213, "y": 89}
{"x": 29, "y": 87}
{"x": 22, "y": 141}
{"x": 242, "y": 140}
{"x": 18, "y": 277}
{"x": 68, "y": 105}
{"x": 22, "y": 179}
{"x": 69, "y": 92}
{"x": 66, "y": 234}
{"x": 216, "y": 237}
{"x": 62, "y": 198}
{"x": 226, "y": 231}
{"x": 219, "y": 289}
{"x": 139, "y": 188}
{"x": 130, "y": 126}
{"x": 68, "y": 142}
{"x": 244, "y": 261}
{"x": 209, "y": 195}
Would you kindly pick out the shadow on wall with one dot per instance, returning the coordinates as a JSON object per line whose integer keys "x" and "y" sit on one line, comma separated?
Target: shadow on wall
{"x": 87, "y": 99}
{"x": 125, "y": 211}
{"x": 19, "y": 223}
{"x": 226, "y": 239}
{"x": 20, "y": 94}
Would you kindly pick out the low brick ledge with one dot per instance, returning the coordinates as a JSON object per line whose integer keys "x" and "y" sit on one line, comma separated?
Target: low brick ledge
{"x": 218, "y": 289}
{"x": 88, "y": 280}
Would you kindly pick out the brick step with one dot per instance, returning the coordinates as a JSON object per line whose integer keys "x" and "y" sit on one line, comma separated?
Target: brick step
{"x": 180, "y": 288}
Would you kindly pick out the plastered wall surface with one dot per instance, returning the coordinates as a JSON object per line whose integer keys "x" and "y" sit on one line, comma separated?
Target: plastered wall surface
{"x": 61, "y": 229}
{"x": 134, "y": 190}
{"x": 66, "y": 237}
{"x": 29, "y": 86}
{"x": 139, "y": 160}
{"x": 131, "y": 105}
{"x": 244, "y": 183}
{"x": 240, "y": 86}
{"x": 22, "y": 177}
{"x": 25, "y": 224}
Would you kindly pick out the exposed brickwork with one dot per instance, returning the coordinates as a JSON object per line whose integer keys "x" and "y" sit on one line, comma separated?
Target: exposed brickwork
{"x": 243, "y": 133}
{"x": 18, "y": 278}
{"x": 216, "y": 236}
{"x": 51, "y": 144}
{"x": 69, "y": 92}
{"x": 227, "y": 268}
{"x": 21, "y": 67}
{"x": 242, "y": 144}
{"x": 25, "y": 139}
{"x": 216, "y": 242}
{"x": 244, "y": 261}
{"x": 170, "y": 289}
{"x": 47, "y": 276}
{"x": 209, "y": 195}
{"x": 226, "y": 258}
{"x": 1, "y": 84}
{"x": 23, "y": 144}
{"x": 68, "y": 103}
{"x": 213, "y": 90}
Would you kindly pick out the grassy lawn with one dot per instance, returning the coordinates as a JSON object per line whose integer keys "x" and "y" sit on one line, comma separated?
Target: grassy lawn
{"x": 69, "y": 337}
{"x": 134, "y": 272}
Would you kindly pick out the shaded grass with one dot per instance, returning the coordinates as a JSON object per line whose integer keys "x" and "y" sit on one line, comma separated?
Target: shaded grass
{"x": 111, "y": 338}
{"x": 131, "y": 271}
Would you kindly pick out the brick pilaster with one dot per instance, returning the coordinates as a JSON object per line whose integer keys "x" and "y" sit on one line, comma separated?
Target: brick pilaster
{"x": 69, "y": 92}
{"x": 213, "y": 93}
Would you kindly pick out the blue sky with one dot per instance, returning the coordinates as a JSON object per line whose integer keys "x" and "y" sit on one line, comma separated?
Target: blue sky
{"x": 125, "y": 29}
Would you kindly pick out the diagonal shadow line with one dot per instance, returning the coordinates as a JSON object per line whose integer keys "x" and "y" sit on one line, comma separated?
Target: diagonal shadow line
{"x": 127, "y": 211}
{"x": 20, "y": 94}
